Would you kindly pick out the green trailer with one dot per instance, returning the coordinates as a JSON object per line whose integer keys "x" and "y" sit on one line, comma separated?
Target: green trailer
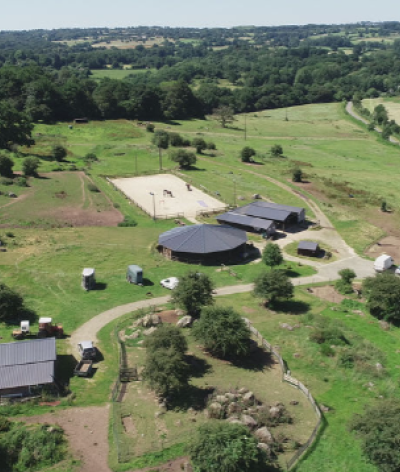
{"x": 134, "y": 275}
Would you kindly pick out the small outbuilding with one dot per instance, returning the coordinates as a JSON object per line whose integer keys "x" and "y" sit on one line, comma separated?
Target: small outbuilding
{"x": 26, "y": 366}
{"x": 308, "y": 248}
{"x": 134, "y": 275}
{"x": 204, "y": 244}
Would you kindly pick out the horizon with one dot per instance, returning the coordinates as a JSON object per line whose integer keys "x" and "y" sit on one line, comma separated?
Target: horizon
{"x": 46, "y": 15}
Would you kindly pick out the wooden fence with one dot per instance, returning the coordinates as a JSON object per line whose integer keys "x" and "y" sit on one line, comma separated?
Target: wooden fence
{"x": 287, "y": 377}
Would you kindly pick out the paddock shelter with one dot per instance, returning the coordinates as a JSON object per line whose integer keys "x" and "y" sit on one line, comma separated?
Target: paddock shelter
{"x": 204, "y": 244}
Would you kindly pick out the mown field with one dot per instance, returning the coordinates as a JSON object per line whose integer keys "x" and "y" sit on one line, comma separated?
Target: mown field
{"x": 44, "y": 261}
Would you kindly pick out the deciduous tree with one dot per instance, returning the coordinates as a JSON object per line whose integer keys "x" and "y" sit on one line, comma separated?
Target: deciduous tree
{"x": 193, "y": 292}
{"x": 272, "y": 255}
{"x": 273, "y": 285}
{"x": 6, "y": 166}
{"x": 383, "y": 296}
{"x": 222, "y": 331}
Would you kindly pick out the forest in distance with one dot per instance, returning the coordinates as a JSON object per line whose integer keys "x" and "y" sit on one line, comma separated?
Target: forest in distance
{"x": 187, "y": 73}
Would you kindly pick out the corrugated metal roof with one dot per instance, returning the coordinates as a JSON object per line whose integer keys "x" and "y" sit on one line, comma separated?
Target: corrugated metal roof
{"x": 237, "y": 218}
{"x": 26, "y": 375}
{"x": 278, "y": 206}
{"x": 27, "y": 352}
{"x": 252, "y": 209}
{"x": 203, "y": 239}
{"x": 307, "y": 245}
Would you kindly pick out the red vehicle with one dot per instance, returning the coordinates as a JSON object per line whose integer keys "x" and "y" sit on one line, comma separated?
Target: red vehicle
{"x": 46, "y": 328}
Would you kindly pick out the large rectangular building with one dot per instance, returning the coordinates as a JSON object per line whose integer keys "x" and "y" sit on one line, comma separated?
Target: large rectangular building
{"x": 282, "y": 215}
{"x": 26, "y": 364}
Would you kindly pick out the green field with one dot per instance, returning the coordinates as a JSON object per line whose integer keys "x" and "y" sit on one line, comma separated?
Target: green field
{"x": 339, "y": 158}
{"x": 116, "y": 74}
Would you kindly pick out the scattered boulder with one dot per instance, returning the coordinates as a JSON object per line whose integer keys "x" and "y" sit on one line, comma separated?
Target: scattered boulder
{"x": 263, "y": 435}
{"x": 379, "y": 367}
{"x": 215, "y": 410}
{"x": 248, "y": 421}
{"x": 243, "y": 390}
{"x": 149, "y": 331}
{"x": 233, "y": 407}
{"x": 264, "y": 447}
{"x": 221, "y": 399}
{"x": 12, "y": 195}
{"x": 294, "y": 402}
{"x": 286, "y": 326}
{"x": 151, "y": 320}
{"x": 134, "y": 335}
{"x": 384, "y": 325}
{"x": 324, "y": 408}
{"x": 359, "y": 312}
{"x": 241, "y": 198}
{"x": 256, "y": 196}
{"x": 185, "y": 322}
{"x": 275, "y": 411}
{"x": 248, "y": 397}
{"x": 179, "y": 312}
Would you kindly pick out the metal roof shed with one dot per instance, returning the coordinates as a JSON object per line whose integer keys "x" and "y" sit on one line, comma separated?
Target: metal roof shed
{"x": 25, "y": 364}
{"x": 308, "y": 248}
{"x": 247, "y": 223}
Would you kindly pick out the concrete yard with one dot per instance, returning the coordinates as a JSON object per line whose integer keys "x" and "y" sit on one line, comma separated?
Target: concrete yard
{"x": 183, "y": 202}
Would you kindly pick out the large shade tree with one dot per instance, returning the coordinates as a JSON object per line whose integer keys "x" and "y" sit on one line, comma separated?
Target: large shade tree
{"x": 15, "y": 127}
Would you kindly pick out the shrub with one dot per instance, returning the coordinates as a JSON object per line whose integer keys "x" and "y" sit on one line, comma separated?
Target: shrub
{"x": 328, "y": 334}
{"x": 128, "y": 221}
{"x": 6, "y": 166}
{"x": 199, "y": 144}
{"x": 90, "y": 157}
{"x": 276, "y": 150}
{"x": 344, "y": 284}
{"x": 379, "y": 427}
{"x": 21, "y": 182}
{"x": 175, "y": 139}
{"x": 59, "y": 152}
{"x": 30, "y": 166}
{"x": 211, "y": 146}
{"x": 10, "y": 234}
{"x": 326, "y": 350}
{"x": 150, "y": 127}
{"x": 297, "y": 175}
{"x": 383, "y": 295}
{"x": 6, "y": 181}
{"x": 247, "y": 153}
{"x": 5, "y": 424}
{"x": 184, "y": 158}
{"x": 272, "y": 255}
{"x": 166, "y": 337}
{"x": 227, "y": 448}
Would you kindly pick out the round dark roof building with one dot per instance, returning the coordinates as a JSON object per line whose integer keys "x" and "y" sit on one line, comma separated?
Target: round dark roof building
{"x": 204, "y": 243}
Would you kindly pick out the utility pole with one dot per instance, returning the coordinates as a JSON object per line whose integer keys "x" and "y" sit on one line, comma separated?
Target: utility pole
{"x": 154, "y": 206}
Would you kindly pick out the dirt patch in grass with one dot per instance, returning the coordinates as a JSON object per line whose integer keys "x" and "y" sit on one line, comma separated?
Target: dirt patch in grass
{"x": 168, "y": 316}
{"x": 87, "y": 432}
{"x": 389, "y": 245}
{"x": 129, "y": 425}
{"x": 73, "y": 216}
{"x": 248, "y": 310}
{"x": 328, "y": 293}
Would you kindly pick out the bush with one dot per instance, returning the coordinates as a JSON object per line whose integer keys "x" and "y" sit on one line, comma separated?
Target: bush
{"x": 247, "y": 153}
{"x": 184, "y": 158}
{"x": 30, "y": 166}
{"x": 90, "y": 157}
{"x": 344, "y": 284}
{"x": 328, "y": 334}
{"x": 199, "y": 144}
{"x": 166, "y": 337}
{"x": 93, "y": 187}
{"x": 129, "y": 221}
{"x": 21, "y": 182}
{"x": 224, "y": 447}
{"x": 223, "y": 332}
{"x": 5, "y": 424}
{"x": 272, "y": 255}
{"x": 276, "y": 150}
{"x": 150, "y": 127}
{"x": 378, "y": 428}
{"x": 326, "y": 350}
{"x": 59, "y": 152}
{"x": 6, "y": 166}
{"x": 175, "y": 139}
{"x": 383, "y": 295}
{"x": 211, "y": 146}
{"x": 297, "y": 175}
{"x": 5, "y": 181}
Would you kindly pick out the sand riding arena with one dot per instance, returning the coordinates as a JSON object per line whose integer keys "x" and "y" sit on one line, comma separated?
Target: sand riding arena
{"x": 167, "y": 196}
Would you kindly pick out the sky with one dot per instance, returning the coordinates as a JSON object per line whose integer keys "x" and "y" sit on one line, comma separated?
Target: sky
{"x": 53, "y": 14}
